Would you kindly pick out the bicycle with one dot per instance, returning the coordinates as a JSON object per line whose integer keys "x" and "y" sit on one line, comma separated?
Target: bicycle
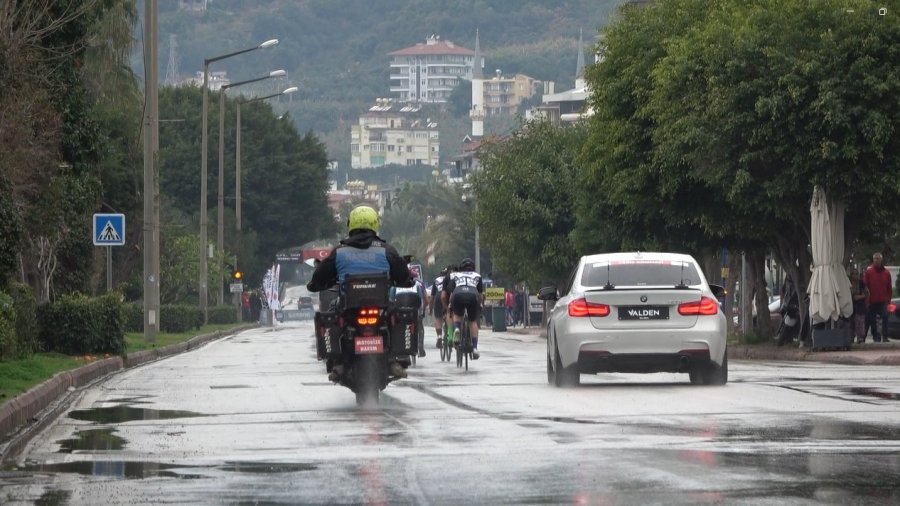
{"x": 464, "y": 343}
{"x": 447, "y": 344}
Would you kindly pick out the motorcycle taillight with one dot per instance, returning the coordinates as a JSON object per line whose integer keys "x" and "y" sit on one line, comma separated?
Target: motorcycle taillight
{"x": 368, "y": 316}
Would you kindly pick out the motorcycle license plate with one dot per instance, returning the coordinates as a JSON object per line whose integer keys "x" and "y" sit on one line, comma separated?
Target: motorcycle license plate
{"x": 368, "y": 345}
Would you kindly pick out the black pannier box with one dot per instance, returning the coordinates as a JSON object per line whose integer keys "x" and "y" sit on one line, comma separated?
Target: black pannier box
{"x": 328, "y": 336}
{"x": 405, "y": 331}
{"x": 366, "y": 290}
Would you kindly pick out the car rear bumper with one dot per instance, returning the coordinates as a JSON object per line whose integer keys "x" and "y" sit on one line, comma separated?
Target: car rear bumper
{"x": 669, "y": 350}
{"x": 591, "y": 362}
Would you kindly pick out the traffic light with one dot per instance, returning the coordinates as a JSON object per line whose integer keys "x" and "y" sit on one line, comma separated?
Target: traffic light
{"x": 237, "y": 275}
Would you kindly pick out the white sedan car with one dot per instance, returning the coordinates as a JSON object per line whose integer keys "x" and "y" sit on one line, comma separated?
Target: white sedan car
{"x": 636, "y": 313}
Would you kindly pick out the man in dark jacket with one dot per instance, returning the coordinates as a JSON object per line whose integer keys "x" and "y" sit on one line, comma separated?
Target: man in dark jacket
{"x": 362, "y": 252}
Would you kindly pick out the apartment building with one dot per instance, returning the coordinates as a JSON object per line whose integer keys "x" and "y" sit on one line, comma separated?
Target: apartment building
{"x": 393, "y": 133}
{"x": 429, "y": 72}
{"x": 503, "y": 94}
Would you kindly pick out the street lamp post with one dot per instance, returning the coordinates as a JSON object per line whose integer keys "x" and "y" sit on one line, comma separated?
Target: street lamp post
{"x": 477, "y": 233}
{"x": 220, "y": 235}
{"x": 203, "y": 169}
{"x": 237, "y": 152}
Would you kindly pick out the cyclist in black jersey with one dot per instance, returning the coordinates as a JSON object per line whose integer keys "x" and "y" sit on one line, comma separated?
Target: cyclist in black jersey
{"x": 437, "y": 307}
{"x": 464, "y": 292}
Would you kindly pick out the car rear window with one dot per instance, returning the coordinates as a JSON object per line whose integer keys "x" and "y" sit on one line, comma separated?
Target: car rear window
{"x": 640, "y": 273}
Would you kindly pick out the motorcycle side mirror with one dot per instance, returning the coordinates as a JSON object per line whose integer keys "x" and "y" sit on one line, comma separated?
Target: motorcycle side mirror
{"x": 717, "y": 290}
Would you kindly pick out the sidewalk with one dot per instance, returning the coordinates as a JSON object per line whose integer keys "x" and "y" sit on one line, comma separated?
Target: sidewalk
{"x": 860, "y": 354}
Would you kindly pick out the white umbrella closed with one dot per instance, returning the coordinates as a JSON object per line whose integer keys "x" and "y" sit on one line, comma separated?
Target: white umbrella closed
{"x": 829, "y": 288}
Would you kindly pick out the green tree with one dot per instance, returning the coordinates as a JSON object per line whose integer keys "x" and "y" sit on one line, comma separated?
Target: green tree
{"x": 525, "y": 197}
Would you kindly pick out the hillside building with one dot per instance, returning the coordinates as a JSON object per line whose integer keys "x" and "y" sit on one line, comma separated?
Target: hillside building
{"x": 503, "y": 94}
{"x": 568, "y": 106}
{"x": 392, "y": 133}
{"x": 429, "y": 72}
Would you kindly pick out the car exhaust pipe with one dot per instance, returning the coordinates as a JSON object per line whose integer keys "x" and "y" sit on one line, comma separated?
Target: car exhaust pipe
{"x": 683, "y": 362}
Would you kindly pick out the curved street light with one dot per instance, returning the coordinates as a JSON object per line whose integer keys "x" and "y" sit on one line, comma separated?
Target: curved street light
{"x": 220, "y": 225}
{"x": 203, "y": 169}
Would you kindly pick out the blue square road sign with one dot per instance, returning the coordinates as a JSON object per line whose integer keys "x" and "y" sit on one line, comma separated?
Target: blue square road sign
{"x": 109, "y": 230}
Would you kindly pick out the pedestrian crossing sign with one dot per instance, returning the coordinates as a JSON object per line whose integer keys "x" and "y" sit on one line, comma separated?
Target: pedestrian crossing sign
{"x": 109, "y": 230}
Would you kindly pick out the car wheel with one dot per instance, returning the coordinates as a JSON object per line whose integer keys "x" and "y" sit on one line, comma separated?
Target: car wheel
{"x": 718, "y": 374}
{"x": 551, "y": 376}
{"x": 564, "y": 377}
{"x": 710, "y": 374}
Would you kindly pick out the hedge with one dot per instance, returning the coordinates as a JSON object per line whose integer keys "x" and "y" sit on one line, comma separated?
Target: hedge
{"x": 223, "y": 314}
{"x": 177, "y": 318}
{"x": 26, "y": 326}
{"x": 77, "y": 324}
{"x": 8, "y": 348}
{"x": 133, "y": 316}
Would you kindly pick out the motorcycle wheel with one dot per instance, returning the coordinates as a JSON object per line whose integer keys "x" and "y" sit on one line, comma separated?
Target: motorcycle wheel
{"x": 366, "y": 381}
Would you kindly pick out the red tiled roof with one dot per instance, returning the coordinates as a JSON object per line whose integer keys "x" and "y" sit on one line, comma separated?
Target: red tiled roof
{"x": 439, "y": 47}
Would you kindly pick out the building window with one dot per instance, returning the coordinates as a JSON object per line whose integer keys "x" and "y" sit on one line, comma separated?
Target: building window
{"x": 354, "y": 148}
{"x": 390, "y": 147}
{"x": 409, "y": 149}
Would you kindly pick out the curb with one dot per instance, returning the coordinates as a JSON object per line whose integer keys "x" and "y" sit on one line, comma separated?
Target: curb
{"x": 21, "y": 413}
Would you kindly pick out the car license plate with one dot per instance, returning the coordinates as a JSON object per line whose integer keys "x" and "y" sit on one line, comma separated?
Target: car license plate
{"x": 644, "y": 313}
{"x": 368, "y": 345}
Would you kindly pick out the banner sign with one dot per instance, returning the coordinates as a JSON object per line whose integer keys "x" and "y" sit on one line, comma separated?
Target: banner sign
{"x": 316, "y": 253}
{"x": 495, "y": 293}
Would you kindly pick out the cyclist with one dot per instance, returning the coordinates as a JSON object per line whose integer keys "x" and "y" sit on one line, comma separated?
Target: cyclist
{"x": 414, "y": 296}
{"x": 362, "y": 252}
{"x": 465, "y": 293}
{"x": 437, "y": 307}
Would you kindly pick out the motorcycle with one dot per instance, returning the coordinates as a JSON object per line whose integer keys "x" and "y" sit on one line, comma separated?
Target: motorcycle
{"x": 363, "y": 339}
{"x": 790, "y": 321}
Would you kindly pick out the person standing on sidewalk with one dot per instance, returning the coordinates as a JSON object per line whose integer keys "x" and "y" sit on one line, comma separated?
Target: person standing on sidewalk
{"x": 858, "y": 292}
{"x": 878, "y": 281}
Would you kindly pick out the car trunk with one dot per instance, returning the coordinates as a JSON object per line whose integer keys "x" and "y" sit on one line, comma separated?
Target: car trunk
{"x": 643, "y": 308}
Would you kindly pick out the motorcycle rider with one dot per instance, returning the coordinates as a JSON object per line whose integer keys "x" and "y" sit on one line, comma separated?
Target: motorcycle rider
{"x": 464, "y": 291}
{"x": 362, "y": 252}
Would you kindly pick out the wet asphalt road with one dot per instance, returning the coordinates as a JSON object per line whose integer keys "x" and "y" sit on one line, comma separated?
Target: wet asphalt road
{"x": 252, "y": 420}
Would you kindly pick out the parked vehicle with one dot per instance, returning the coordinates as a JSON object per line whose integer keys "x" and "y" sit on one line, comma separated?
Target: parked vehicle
{"x": 894, "y": 318}
{"x": 636, "y": 313}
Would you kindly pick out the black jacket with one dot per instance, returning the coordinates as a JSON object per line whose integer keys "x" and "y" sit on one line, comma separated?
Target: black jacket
{"x": 326, "y": 274}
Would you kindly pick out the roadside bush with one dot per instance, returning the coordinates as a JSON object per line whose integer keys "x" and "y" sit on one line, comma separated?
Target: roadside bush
{"x": 7, "y": 328}
{"x": 26, "y": 326}
{"x": 133, "y": 316}
{"x": 175, "y": 318}
{"x": 222, "y": 314}
{"x": 77, "y": 324}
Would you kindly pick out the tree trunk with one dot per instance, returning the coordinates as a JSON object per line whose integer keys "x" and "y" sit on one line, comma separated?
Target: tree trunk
{"x": 734, "y": 273}
{"x": 763, "y": 325}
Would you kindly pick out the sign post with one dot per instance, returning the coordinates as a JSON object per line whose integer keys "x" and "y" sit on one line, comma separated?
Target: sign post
{"x": 109, "y": 230}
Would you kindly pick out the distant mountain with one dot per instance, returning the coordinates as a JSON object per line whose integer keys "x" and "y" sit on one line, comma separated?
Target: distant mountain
{"x": 336, "y": 50}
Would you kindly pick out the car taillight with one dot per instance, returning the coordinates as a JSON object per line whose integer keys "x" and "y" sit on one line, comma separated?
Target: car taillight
{"x": 892, "y": 308}
{"x": 704, "y": 306}
{"x": 581, "y": 307}
{"x": 368, "y": 316}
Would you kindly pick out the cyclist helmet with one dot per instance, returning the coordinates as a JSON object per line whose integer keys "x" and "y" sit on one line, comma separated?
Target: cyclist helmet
{"x": 362, "y": 218}
{"x": 467, "y": 265}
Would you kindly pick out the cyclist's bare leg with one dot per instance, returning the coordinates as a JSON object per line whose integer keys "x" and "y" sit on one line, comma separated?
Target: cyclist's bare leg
{"x": 473, "y": 331}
